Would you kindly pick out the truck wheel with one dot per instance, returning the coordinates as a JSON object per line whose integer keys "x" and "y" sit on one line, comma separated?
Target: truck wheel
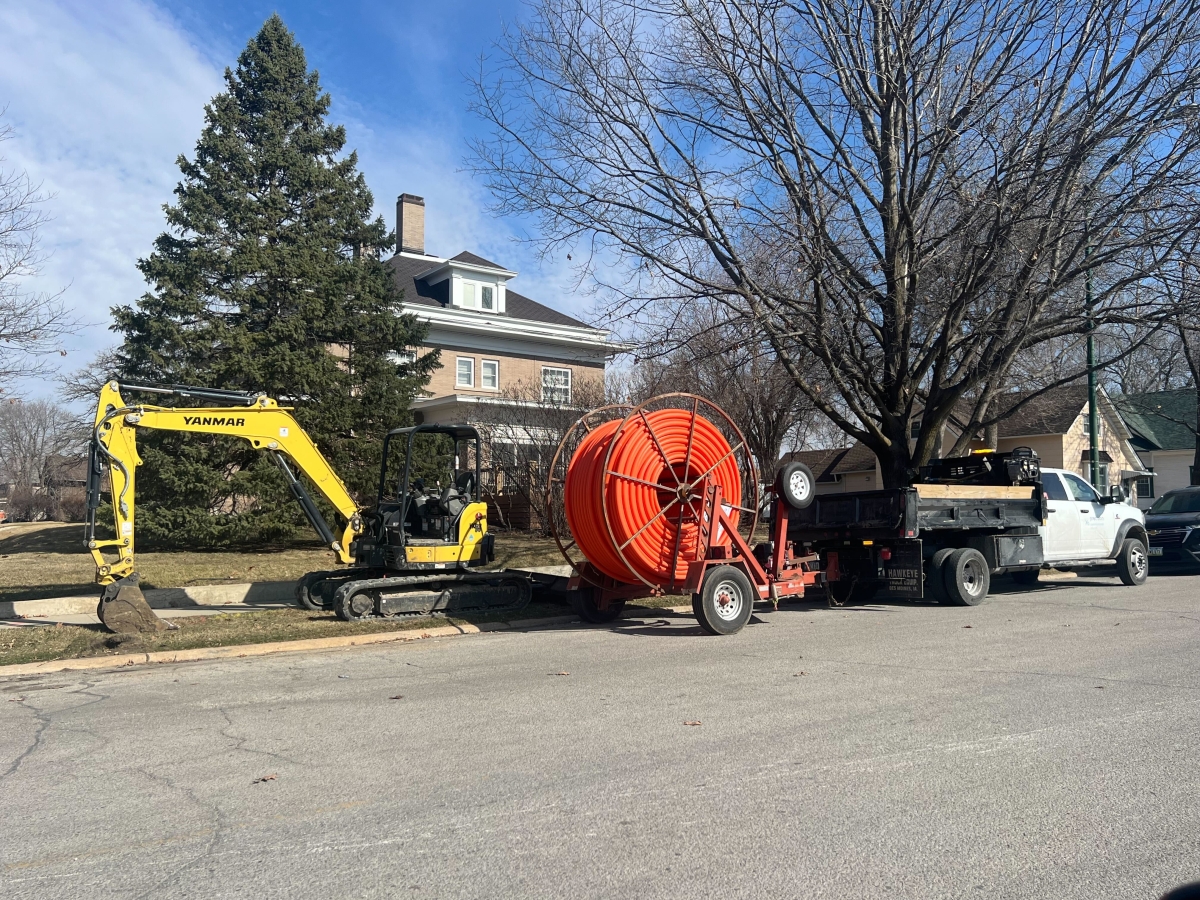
{"x": 796, "y": 484}
{"x": 726, "y": 600}
{"x": 967, "y": 577}
{"x": 588, "y": 609}
{"x": 1027, "y": 577}
{"x": 1133, "y": 565}
{"x": 935, "y": 584}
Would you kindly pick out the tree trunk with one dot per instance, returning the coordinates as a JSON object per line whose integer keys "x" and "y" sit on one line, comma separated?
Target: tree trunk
{"x": 1195, "y": 479}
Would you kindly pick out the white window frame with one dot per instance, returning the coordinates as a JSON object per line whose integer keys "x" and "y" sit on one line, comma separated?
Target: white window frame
{"x": 474, "y": 304}
{"x": 483, "y": 364}
{"x": 487, "y": 287}
{"x": 545, "y": 369}
{"x": 458, "y": 382}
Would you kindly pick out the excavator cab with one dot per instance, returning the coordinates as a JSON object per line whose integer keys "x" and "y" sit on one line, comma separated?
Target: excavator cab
{"x": 428, "y": 514}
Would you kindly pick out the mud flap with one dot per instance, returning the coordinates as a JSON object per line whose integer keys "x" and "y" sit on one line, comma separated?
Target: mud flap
{"x": 123, "y": 609}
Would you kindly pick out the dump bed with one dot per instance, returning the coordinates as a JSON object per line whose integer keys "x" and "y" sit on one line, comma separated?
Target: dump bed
{"x": 910, "y": 512}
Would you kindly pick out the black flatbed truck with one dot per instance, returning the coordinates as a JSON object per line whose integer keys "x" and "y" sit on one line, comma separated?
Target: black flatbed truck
{"x": 941, "y": 541}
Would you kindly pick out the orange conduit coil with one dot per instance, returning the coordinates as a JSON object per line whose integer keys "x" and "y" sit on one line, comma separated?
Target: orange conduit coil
{"x": 623, "y": 497}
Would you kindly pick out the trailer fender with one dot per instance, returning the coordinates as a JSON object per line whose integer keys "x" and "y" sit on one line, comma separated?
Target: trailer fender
{"x": 1130, "y": 528}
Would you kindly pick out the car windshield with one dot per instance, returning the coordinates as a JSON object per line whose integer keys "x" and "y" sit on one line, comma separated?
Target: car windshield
{"x": 1178, "y": 502}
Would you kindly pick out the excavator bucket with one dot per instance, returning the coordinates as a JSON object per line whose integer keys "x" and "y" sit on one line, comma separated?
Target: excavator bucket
{"x": 123, "y": 609}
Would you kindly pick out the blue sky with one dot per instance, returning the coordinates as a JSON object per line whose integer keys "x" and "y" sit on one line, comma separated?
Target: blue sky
{"x": 105, "y": 95}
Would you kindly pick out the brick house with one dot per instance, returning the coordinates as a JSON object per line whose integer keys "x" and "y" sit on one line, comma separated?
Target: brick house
{"x": 494, "y": 342}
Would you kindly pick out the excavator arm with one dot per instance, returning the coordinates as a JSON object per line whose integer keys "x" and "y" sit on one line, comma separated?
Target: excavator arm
{"x": 258, "y": 419}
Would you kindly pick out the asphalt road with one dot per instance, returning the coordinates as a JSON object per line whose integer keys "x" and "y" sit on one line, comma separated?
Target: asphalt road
{"x": 1043, "y": 745}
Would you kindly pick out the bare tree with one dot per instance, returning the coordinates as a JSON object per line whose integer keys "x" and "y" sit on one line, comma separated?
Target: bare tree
{"x": 40, "y": 444}
{"x": 521, "y": 432}
{"x": 726, "y": 360}
{"x": 32, "y": 323}
{"x": 1181, "y": 285}
{"x": 911, "y": 194}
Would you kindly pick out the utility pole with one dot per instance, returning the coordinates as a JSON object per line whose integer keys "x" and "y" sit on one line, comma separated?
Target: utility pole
{"x": 1093, "y": 411}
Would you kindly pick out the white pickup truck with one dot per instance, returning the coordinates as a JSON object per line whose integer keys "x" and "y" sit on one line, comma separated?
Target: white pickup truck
{"x": 1086, "y": 528}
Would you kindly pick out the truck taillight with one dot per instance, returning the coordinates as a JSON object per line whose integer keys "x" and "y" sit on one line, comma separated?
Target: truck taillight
{"x": 911, "y": 533}
{"x": 885, "y": 553}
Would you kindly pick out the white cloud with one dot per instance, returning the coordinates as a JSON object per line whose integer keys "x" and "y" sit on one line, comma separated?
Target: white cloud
{"x": 103, "y": 98}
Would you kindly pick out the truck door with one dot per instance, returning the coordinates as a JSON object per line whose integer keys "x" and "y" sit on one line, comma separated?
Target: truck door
{"x": 1060, "y": 536}
{"x": 1093, "y": 524}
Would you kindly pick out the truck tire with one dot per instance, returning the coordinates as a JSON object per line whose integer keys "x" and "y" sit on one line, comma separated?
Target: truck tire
{"x": 726, "y": 600}
{"x": 585, "y": 606}
{"x": 796, "y": 484}
{"x": 967, "y": 577}
{"x": 1133, "y": 564}
{"x": 935, "y": 584}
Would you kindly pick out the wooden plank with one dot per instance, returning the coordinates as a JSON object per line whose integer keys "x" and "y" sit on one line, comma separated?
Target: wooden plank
{"x": 973, "y": 492}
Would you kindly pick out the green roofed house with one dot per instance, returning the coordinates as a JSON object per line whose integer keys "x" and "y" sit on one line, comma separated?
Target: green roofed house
{"x": 1163, "y": 428}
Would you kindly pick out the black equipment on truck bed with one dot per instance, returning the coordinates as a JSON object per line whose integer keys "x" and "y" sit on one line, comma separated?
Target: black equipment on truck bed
{"x": 943, "y": 538}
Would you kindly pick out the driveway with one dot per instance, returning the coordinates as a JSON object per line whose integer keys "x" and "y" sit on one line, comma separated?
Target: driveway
{"x": 1042, "y": 745}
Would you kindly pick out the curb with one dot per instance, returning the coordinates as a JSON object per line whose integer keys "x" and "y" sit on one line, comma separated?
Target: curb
{"x": 333, "y": 643}
{"x": 262, "y": 593}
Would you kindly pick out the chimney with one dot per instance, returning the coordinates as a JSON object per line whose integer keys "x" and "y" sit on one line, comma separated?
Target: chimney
{"x": 410, "y": 223}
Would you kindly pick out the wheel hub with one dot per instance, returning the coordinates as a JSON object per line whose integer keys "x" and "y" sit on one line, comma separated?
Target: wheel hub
{"x": 729, "y": 601}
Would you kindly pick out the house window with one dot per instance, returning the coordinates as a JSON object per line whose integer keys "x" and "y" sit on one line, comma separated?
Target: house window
{"x": 914, "y": 429}
{"x": 1102, "y": 469}
{"x": 465, "y": 372}
{"x": 487, "y": 296}
{"x": 489, "y": 374}
{"x": 556, "y": 385}
{"x": 1145, "y": 487}
{"x": 468, "y": 294}
{"x": 403, "y": 357}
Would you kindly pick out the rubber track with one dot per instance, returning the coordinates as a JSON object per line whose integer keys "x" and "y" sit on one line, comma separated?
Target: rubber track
{"x": 429, "y": 582}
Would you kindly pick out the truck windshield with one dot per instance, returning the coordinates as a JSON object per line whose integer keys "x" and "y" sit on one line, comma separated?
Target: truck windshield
{"x": 1177, "y": 502}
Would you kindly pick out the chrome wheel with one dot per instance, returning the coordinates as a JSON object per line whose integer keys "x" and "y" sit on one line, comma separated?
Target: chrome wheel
{"x": 729, "y": 601}
{"x": 1138, "y": 561}
{"x": 973, "y": 577}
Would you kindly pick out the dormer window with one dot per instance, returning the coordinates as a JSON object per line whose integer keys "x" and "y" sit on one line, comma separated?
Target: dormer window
{"x": 466, "y": 282}
{"x": 478, "y": 296}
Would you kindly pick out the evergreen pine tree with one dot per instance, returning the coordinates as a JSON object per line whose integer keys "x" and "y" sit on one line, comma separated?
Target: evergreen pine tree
{"x": 269, "y": 278}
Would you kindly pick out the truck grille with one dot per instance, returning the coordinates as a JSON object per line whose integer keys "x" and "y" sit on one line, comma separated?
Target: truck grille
{"x": 1167, "y": 537}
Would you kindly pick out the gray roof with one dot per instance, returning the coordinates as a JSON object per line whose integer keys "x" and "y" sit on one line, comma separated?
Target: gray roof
{"x": 827, "y": 464}
{"x": 1050, "y": 413}
{"x": 517, "y": 306}
{"x": 1161, "y": 420}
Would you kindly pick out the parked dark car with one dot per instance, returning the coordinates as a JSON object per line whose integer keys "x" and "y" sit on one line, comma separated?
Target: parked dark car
{"x": 1173, "y": 524}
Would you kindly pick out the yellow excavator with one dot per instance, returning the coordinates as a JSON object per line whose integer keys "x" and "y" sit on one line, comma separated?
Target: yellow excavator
{"x": 416, "y": 551}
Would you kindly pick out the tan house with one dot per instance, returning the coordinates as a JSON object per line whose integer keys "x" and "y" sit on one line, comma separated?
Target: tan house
{"x": 497, "y": 346}
{"x": 1055, "y": 425}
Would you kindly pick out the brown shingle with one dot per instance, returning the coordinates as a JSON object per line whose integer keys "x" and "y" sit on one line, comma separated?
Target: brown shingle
{"x": 1050, "y": 413}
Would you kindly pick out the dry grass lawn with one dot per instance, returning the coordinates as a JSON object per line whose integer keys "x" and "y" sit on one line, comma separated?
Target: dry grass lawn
{"x": 40, "y": 560}
{"x": 44, "y": 560}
